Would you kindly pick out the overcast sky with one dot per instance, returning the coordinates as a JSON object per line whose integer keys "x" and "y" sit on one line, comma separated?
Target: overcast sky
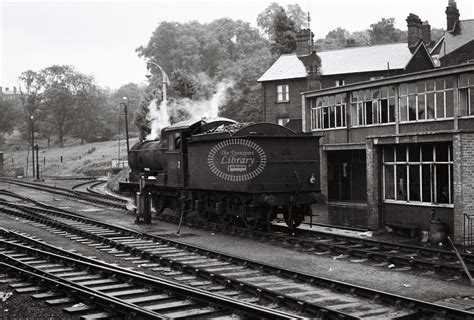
{"x": 100, "y": 38}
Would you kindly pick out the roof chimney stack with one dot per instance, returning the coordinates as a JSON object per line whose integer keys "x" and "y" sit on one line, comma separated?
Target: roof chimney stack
{"x": 307, "y": 55}
{"x": 415, "y": 31}
{"x": 452, "y": 16}
{"x": 303, "y": 42}
{"x": 426, "y": 33}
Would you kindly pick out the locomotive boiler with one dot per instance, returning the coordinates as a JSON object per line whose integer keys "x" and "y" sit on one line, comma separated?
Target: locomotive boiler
{"x": 230, "y": 172}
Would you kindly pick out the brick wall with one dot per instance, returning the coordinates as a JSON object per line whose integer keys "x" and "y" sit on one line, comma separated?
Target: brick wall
{"x": 291, "y": 109}
{"x": 463, "y": 154}
{"x": 373, "y": 185}
{"x": 458, "y": 56}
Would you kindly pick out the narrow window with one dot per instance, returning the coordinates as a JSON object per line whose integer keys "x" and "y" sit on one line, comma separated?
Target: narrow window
{"x": 283, "y": 93}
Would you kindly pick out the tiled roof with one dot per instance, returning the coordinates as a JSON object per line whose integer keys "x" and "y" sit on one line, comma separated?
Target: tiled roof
{"x": 349, "y": 60}
{"x": 452, "y": 41}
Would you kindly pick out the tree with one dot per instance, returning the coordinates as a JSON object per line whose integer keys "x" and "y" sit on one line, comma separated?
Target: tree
{"x": 284, "y": 36}
{"x": 384, "y": 31}
{"x": 114, "y": 107}
{"x": 293, "y": 11}
{"x": 197, "y": 57}
{"x": 30, "y": 86}
{"x": 8, "y": 117}
{"x": 88, "y": 112}
{"x": 335, "y": 39}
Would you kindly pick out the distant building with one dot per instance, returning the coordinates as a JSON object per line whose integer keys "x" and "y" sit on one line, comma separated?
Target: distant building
{"x": 9, "y": 93}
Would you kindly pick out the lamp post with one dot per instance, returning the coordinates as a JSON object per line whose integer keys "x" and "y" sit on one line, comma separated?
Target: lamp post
{"x": 125, "y": 99}
{"x": 32, "y": 118}
{"x": 164, "y": 76}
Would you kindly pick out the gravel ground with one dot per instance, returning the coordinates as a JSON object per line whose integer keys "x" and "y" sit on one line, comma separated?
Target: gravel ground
{"x": 22, "y": 306}
{"x": 427, "y": 288}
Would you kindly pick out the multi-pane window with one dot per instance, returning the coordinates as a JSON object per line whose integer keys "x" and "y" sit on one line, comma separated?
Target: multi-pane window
{"x": 427, "y": 99}
{"x": 466, "y": 94}
{"x": 340, "y": 82}
{"x": 283, "y": 93}
{"x": 328, "y": 112}
{"x": 418, "y": 173}
{"x": 373, "y": 106}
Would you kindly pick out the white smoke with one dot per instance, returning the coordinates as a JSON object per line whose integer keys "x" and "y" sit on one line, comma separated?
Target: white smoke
{"x": 205, "y": 108}
{"x": 160, "y": 116}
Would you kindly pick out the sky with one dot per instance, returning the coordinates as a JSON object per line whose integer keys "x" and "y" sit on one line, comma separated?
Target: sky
{"x": 99, "y": 38}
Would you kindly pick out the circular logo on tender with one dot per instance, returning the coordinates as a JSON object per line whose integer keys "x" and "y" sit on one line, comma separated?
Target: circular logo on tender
{"x": 237, "y": 160}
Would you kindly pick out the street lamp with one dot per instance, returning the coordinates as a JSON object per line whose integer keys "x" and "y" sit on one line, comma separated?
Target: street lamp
{"x": 32, "y": 118}
{"x": 125, "y": 99}
{"x": 164, "y": 76}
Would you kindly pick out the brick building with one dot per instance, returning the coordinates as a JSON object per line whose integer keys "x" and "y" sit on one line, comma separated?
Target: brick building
{"x": 457, "y": 44}
{"x": 398, "y": 142}
{"x": 394, "y": 149}
{"x": 307, "y": 69}
{"x": 284, "y": 81}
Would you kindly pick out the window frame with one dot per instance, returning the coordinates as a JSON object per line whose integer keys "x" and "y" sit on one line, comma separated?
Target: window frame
{"x": 406, "y": 164}
{"x": 327, "y": 110}
{"x": 375, "y": 97}
{"x": 466, "y": 87}
{"x": 282, "y": 94}
{"x": 405, "y": 94}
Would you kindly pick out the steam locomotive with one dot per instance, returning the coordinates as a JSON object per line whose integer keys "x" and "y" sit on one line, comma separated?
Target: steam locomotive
{"x": 230, "y": 172}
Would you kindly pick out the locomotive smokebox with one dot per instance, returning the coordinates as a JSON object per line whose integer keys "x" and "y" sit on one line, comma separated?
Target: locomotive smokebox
{"x": 147, "y": 156}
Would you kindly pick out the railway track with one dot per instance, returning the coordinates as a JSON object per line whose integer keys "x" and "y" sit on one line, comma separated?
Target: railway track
{"x": 297, "y": 291}
{"x": 105, "y": 291}
{"x": 406, "y": 257}
{"x": 94, "y": 198}
{"x": 426, "y": 261}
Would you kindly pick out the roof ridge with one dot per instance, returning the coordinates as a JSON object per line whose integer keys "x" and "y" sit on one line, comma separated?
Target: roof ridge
{"x": 358, "y": 47}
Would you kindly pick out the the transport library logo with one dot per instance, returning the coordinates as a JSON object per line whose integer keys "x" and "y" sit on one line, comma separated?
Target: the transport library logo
{"x": 237, "y": 160}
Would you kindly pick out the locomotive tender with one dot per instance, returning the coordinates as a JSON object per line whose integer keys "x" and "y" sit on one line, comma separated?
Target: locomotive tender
{"x": 228, "y": 171}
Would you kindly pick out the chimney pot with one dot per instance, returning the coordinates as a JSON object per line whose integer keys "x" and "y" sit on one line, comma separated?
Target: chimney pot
{"x": 303, "y": 42}
{"x": 426, "y": 33}
{"x": 452, "y": 15}
{"x": 415, "y": 31}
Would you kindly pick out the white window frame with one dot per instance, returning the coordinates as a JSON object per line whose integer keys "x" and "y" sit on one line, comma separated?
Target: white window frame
{"x": 468, "y": 89}
{"x": 282, "y": 94}
{"x": 317, "y": 115}
{"x": 435, "y": 91}
{"x": 361, "y": 111}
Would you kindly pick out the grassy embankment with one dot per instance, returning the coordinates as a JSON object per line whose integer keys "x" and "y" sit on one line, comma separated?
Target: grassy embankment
{"x": 91, "y": 159}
